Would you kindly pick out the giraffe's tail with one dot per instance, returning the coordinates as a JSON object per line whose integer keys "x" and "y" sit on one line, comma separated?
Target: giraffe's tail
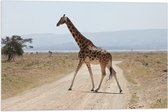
{"x": 110, "y": 69}
{"x": 109, "y": 66}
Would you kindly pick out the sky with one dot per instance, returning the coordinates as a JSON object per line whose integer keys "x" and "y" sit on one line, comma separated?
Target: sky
{"x": 32, "y": 17}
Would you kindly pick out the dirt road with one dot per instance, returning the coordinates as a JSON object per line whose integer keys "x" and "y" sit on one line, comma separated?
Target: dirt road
{"x": 55, "y": 95}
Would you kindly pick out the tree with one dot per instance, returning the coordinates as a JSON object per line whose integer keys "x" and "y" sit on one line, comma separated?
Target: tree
{"x": 14, "y": 46}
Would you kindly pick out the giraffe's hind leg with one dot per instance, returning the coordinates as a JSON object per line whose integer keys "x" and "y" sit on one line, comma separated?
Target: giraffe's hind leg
{"x": 77, "y": 69}
{"x": 114, "y": 73}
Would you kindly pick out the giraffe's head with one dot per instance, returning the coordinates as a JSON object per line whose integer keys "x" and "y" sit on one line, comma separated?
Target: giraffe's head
{"x": 62, "y": 20}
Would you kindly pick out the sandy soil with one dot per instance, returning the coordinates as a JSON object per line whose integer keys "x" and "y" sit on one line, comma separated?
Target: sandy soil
{"x": 55, "y": 95}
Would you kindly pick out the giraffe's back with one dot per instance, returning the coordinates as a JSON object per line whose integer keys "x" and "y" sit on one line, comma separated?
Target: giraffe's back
{"x": 95, "y": 55}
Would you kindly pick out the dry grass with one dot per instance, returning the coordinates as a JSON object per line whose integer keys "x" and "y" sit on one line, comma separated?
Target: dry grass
{"x": 147, "y": 74}
{"x": 32, "y": 70}
{"x": 159, "y": 103}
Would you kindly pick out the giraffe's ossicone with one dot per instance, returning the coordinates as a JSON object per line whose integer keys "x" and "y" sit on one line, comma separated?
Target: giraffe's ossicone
{"x": 89, "y": 54}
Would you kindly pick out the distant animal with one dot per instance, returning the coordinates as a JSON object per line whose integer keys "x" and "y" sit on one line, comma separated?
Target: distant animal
{"x": 50, "y": 53}
{"x": 89, "y": 54}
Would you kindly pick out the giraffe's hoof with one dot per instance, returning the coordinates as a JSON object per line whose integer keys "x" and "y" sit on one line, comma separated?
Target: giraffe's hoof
{"x": 120, "y": 91}
{"x": 92, "y": 90}
{"x": 96, "y": 91}
{"x": 69, "y": 89}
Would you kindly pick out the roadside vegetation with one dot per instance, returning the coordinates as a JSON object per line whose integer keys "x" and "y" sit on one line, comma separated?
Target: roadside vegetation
{"x": 13, "y": 46}
{"x": 147, "y": 74}
{"x": 32, "y": 70}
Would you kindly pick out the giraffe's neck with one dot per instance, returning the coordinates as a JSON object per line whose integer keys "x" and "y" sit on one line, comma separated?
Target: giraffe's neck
{"x": 79, "y": 38}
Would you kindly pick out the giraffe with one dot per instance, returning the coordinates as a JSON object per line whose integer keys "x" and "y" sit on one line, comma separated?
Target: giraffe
{"x": 89, "y": 54}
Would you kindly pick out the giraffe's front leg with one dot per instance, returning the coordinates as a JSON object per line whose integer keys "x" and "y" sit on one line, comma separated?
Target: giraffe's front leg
{"x": 100, "y": 83}
{"x": 91, "y": 75}
{"x": 77, "y": 69}
{"x": 103, "y": 75}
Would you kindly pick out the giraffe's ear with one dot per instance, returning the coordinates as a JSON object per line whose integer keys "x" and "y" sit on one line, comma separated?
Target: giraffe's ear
{"x": 64, "y": 15}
